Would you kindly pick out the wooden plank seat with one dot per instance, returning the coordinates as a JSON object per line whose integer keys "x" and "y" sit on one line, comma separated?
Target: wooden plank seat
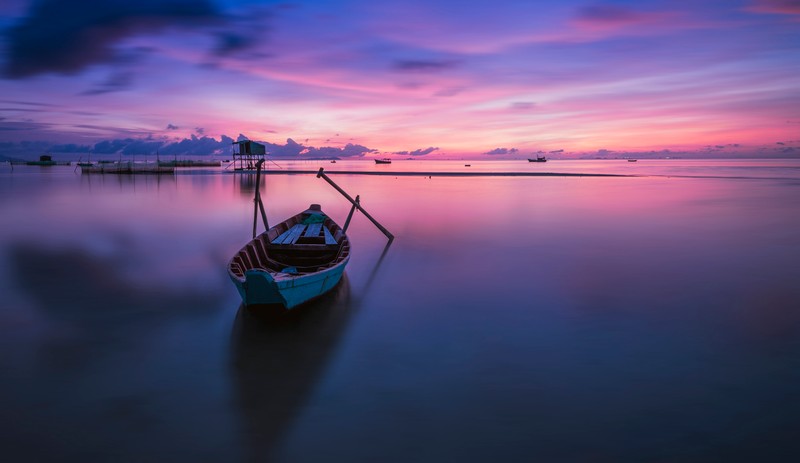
{"x": 291, "y": 235}
{"x": 313, "y": 230}
{"x": 329, "y": 239}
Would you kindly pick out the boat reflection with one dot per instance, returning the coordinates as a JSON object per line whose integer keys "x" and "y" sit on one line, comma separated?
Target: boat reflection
{"x": 278, "y": 357}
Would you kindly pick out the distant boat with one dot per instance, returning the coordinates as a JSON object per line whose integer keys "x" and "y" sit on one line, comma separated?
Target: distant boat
{"x": 632, "y": 160}
{"x": 87, "y": 163}
{"x": 383, "y": 161}
{"x": 297, "y": 260}
{"x": 333, "y": 161}
{"x": 538, "y": 159}
{"x": 467, "y": 165}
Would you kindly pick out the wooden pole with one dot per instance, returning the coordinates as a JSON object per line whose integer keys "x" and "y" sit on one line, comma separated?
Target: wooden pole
{"x": 355, "y": 204}
{"x": 257, "y": 200}
{"x": 350, "y": 215}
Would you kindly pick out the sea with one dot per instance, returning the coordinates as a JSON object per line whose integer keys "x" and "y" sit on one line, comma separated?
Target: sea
{"x": 567, "y": 311}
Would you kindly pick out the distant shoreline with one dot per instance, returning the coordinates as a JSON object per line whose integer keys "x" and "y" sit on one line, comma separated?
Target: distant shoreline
{"x": 441, "y": 174}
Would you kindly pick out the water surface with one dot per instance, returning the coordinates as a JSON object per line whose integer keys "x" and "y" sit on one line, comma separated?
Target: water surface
{"x": 648, "y": 318}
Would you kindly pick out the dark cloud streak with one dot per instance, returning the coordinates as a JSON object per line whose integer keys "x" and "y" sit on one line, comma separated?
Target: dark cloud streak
{"x": 502, "y": 151}
{"x": 423, "y": 65}
{"x": 65, "y": 36}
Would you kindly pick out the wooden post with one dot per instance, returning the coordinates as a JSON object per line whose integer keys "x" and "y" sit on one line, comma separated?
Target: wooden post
{"x": 259, "y": 205}
{"x": 350, "y": 215}
{"x": 355, "y": 203}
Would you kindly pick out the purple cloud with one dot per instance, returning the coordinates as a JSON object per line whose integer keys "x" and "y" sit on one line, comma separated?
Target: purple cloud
{"x": 502, "y": 151}
{"x": 418, "y": 152}
{"x": 608, "y": 14}
{"x": 523, "y": 105}
{"x": 423, "y": 65}
{"x": 776, "y": 6}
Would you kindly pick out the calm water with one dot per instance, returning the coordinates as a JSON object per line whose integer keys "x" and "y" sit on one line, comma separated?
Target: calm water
{"x": 550, "y": 319}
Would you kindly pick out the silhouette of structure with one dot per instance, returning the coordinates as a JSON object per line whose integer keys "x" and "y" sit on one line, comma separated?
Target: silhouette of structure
{"x": 247, "y": 153}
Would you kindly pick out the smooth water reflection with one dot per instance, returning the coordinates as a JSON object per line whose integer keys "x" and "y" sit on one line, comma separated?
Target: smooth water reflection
{"x": 519, "y": 319}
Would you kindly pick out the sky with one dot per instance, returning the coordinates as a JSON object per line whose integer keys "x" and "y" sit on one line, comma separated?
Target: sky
{"x": 417, "y": 78}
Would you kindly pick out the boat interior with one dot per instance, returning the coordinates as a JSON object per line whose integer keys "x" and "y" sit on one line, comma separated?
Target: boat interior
{"x": 294, "y": 247}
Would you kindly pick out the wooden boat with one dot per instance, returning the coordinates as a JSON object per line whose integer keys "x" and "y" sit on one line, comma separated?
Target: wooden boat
{"x": 383, "y": 161}
{"x": 538, "y": 159}
{"x": 297, "y": 260}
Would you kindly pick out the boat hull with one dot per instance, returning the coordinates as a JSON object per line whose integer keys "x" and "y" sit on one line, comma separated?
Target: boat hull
{"x": 260, "y": 287}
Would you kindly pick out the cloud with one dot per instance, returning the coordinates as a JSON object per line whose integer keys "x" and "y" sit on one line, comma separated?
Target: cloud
{"x": 521, "y": 105}
{"x": 116, "y": 82}
{"x": 193, "y": 146}
{"x": 290, "y": 149}
{"x": 142, "y": 147}
{"x": 172, "y": 127}
{"x": 66, "y": 36}
{"x": 111, "y": 146}
{"x": 229, "y": 43}
{"x": 198, "y": 146}
{"x": 294, "y": 149}
{"x": 775, "y": 6}
{"x": 418, "y": 152}
{"x": 423, "y": 152}
{"x": 350, "y": 150}
{"x": 607, "y": 14}
{"x": 502, "y": 151}
{"x": 70, "y": 148}
{"x": 422, "y": 65}
{"x": 609, "y": 18}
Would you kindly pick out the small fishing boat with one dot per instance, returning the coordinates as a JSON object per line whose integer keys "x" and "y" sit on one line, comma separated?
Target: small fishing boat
{"x": 297, "y": 260}
{"x": 632, "y": 160}
{"x": 383, "y": 161}
{"x": 538, "y": 159}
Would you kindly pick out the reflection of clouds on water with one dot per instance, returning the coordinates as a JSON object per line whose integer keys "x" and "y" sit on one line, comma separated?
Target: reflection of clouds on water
{"x": 92, "y": 301}
{"x": 278, "y": 358}
{"x": 101, "y": 360}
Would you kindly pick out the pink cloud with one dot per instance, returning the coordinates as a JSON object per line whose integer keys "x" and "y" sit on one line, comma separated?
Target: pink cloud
{"x": 776, "y": 6}
{"x": 607, "y": 18}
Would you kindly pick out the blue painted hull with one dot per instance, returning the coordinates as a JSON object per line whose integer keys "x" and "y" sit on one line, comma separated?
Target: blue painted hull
{"x": 263, "y": 287}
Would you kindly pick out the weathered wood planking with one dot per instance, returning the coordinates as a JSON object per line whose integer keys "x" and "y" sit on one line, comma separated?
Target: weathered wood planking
{"x": 329, "y": 239}
{"x": 313, "y": 230}
{"x": 291, "y": 235}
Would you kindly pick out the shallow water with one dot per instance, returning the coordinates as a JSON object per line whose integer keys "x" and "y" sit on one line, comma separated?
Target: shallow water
{"x": 650, "y": 318}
